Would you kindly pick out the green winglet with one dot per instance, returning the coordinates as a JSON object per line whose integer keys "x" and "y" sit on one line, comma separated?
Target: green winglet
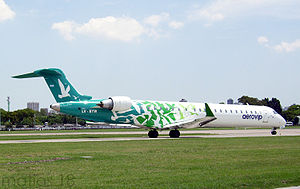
{"x": 208, "y": 111}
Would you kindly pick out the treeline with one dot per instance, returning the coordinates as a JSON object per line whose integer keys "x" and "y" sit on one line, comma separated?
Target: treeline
{"x": 30, "y": 117}
{"x": 289, "y": 115}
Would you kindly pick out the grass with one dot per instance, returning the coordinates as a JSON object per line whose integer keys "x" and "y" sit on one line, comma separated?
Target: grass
{"x": 262, "y": 162}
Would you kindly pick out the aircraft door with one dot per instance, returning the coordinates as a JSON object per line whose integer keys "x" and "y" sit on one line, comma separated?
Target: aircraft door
{"x": 265, "y": 117}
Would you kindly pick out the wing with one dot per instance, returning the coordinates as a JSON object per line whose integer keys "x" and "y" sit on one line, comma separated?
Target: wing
{"x": 195, "y": 122}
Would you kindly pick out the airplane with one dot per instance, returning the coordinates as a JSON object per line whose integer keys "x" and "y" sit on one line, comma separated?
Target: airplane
{"x": 153, "y": 115}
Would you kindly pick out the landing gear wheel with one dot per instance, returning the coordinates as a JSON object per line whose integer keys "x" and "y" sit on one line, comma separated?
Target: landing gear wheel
{"x": 273, "y": 132}
{"x": 174, "y": 133}
{"x": 153, "y": 134}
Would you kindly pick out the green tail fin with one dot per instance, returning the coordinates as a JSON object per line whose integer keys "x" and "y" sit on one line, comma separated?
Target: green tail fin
{"x": 58, "y": 84}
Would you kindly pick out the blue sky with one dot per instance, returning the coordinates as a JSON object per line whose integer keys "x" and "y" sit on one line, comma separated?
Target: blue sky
{"x": 204, "y": 51}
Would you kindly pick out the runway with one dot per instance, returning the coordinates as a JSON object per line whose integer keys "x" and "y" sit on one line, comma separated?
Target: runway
{"x": 209, "y": 134}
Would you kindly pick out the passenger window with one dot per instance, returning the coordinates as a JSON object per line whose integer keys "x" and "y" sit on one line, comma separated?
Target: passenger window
{"x": 230, "y": 111}
{"x": 241, "y": 111}
{"x": 255, "y": 112}
{"x": 225, "y": 111}
{"x": 221, "y": 110}
{"x": 246, "y": 112}
{"x": 199, "y": 109}
{"x": 236, "y": 111}
{"x": 215, "y": 110}
{"x": 251, "y": 112}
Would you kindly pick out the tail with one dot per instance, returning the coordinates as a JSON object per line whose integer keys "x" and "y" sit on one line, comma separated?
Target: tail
{"x": 58, "y": 84}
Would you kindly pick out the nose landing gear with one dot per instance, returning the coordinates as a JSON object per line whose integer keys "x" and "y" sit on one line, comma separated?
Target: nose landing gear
{"x": 273, "y": 131}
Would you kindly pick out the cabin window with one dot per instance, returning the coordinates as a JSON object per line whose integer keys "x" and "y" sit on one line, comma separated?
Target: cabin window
{"x": 194, "y": 109}
{"x": 255, "y": 112}
{"x": 241, "y": 111}
{"x": 236, "y": 111}
{"x": 246, "y": 112}
{"x": 230, "y": 111}
{"x": 221, "y": 110}
{"x": 251, "y": 112}
{"x": 216, "y": 110}
{"x": 185, "y": 109}
{"x": 225, "y": 111}
{"x": 199, "y": 109}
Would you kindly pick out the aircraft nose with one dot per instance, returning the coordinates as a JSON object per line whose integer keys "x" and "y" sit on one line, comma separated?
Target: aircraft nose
{"x": 282, "y": 121}
{"x": 55, "y": 107}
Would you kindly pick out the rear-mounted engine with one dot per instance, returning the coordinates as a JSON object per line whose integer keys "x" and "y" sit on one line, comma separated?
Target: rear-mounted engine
{"x": 116, "y": 103}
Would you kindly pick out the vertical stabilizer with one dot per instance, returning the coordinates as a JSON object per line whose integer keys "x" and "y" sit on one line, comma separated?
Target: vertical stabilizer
{"x": 61, "y": 88}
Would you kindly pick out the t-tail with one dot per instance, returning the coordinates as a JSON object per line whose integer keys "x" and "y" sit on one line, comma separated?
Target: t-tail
{"x": 58, "y": 84}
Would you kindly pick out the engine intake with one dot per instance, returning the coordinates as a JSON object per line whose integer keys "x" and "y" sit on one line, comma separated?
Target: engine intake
{"x": 116, "y": 103}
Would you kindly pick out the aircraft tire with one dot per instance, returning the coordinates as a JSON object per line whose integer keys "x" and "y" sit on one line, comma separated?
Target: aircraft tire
{"x": 273, "y": 132}
{"x": 153, "y": 134}
{"x": 174, "y": 133}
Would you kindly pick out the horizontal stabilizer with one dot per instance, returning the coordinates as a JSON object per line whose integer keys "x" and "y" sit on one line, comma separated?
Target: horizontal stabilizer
{"x": 40, "y": 73}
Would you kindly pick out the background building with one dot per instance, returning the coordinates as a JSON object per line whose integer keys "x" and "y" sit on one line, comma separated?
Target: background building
{"x": 33, "y": 105}
{"x": 230, "y": 101}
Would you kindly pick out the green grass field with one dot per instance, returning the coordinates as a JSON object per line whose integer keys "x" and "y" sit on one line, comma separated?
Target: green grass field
{"x": 262, "y": 162}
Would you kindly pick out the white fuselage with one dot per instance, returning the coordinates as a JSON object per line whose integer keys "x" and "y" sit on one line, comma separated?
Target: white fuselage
{"x": 245, "y": 116}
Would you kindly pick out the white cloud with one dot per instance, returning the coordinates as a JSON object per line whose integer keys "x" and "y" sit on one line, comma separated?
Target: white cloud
{"x": 155, "y": 20}
{"x": 5, "y": 12}
{"x": 65, "y": 29}
{"x": 282, "y": 47}
{"x": 219, "y": 10}
{"x": 262, "y": 40}
{"x": 123, "y": 28}
{"x": 175, "y": 24}
{"x": 287, "y": 47}
{"x": 119, "y": 28}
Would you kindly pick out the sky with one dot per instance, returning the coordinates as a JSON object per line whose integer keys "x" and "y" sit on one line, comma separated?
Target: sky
{"x": 203, "y": 51}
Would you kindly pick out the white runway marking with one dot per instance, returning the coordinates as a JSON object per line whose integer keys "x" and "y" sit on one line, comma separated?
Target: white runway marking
{"x": 214, "y": 134}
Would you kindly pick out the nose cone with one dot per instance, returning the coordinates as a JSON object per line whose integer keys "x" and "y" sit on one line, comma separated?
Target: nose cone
{"x": 55, "y": 107}
{"x": 282, "y": 121}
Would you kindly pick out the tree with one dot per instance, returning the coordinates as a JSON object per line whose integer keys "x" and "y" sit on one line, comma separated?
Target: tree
{"x": 249, "y": 100}
{"x": 273, "y": 103}
{"x": 291, "y": 112}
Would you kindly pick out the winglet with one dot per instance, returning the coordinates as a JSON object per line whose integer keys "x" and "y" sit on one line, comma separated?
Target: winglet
{"x": 208, "y": 111}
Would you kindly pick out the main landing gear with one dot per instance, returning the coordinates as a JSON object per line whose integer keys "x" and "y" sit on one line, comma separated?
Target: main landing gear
{"x": 174, "y": 133}
{"x": 153, "y": 133}
{"x": 273, "y": 131}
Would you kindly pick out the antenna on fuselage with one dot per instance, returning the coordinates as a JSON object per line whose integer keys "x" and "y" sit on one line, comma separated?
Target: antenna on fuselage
{"x": 183, "y": 100}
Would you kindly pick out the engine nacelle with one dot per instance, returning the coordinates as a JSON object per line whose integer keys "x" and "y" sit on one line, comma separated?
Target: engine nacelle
{"x": 116, "y": 103}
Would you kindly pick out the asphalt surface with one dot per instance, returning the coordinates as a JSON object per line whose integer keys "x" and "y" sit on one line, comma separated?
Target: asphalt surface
{"x": 212, "y": 134}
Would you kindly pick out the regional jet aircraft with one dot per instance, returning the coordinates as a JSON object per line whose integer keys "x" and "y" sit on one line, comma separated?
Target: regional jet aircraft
{"x": 153, "y": 115}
